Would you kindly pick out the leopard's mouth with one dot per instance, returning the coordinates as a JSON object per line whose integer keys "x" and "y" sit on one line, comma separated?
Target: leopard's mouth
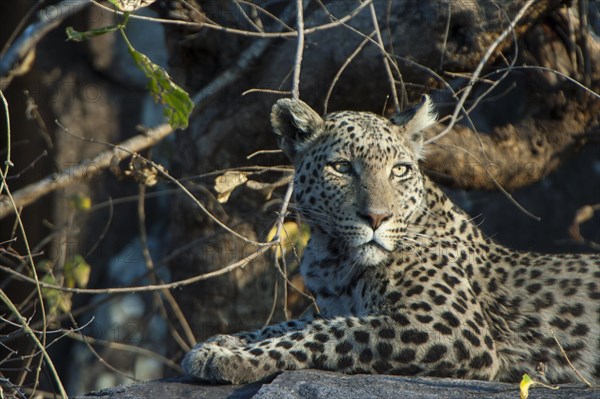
{"x": 381, "y": 244}
{"x": 369, "y": 241}
{"x": 374, "y": 244}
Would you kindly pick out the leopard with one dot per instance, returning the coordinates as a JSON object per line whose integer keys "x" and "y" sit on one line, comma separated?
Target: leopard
{"x": 405, "y": 282}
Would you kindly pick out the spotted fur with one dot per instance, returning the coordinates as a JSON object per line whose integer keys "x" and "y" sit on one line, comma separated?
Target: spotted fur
{"x": 405, "y": 282}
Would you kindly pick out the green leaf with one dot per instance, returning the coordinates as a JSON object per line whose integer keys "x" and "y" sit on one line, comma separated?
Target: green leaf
{"x": 77, "y": 272}
{"x": 177, "y": 104}
{"x": 55, "y": 300}
{"x": 526, "y": 382}
{"x": 81, "y": 202}
{"x": 77, "y": 36}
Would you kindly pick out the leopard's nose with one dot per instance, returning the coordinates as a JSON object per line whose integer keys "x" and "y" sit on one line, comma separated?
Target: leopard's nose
{"x": 375, "y": 218}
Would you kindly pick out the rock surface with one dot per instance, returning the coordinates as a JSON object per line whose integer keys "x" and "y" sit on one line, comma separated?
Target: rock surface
{"x": 176, "y": 388}
{"x": 315, "y": 384}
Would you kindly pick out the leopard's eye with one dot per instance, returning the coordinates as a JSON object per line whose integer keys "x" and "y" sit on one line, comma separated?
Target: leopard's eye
{"x": 343, "y": 167}
{"x": 401, "y": 170}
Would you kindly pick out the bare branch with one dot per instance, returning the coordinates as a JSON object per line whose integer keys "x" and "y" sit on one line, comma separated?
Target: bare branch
{"x": 511, "y": 156}
{"x": 125, "y": 348}
{"x": 32, "y": 35}
{"x": 582, "y": 378}
{"x": 31, "y": 193}
{"x": 34, "y": 338}
{"x": 299, "y": 50}
{"x": 145, "y": 288}
{"x": 153, "y": 280}
{"x": 247, "y": 33}
{"x": 342, "y": 68}
{"x": 386, "y": 59}
{"x": 19, "y": 222}
{"x": 160, "y": 170}
{"x": 95, "y": 353}
{"x": 491, "y": 49}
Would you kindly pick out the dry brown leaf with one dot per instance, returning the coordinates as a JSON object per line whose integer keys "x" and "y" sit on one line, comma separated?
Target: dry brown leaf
{"x": 227, "y": 182}
{"x": 582, "y": 215}
{"x": 131, "y": 5}
{"x": 268, "y": 188}
{"x": 143, "y": 171}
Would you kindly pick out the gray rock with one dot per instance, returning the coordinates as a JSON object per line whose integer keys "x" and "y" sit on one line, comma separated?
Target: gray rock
{"x": 316, "y": 384}
{"x": 176, "y": 388}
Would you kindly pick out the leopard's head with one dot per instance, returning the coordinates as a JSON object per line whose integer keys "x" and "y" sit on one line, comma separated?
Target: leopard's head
{"x": 357, "y": 177}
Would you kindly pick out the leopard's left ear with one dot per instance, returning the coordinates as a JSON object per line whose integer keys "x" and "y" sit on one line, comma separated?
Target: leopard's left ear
{"x": 414, "y": 120}
{"x": 296, "y": 124}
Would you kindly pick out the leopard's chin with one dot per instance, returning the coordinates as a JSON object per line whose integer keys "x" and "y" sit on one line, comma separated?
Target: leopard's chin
{"x": 371, "y": 254}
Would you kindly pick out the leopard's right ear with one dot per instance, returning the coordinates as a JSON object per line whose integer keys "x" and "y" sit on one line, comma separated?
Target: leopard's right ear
{"x": 296, "y": 124}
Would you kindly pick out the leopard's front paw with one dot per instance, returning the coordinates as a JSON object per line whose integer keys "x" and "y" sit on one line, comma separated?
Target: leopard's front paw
{"x": 230, "y": 341}
{"x": 212, "y": 363}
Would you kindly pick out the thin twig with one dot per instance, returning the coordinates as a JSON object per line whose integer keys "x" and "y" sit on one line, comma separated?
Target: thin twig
{"x": 584, "y": 37}
{"x": 386, "y": 60}
{"x": 279, "y": 228}
{"x": 8, "y": 163}
{"x": 404, "y": 95}
{"x": 572, "y": 42}
{"x": 343, "y": 68}
{"x": 227, "y": 77}
{"x": 496, "y": 82}
{"x": 481, "y": 145}
{"x": 126, "y": 348}
{"x": 95, "y": 353}
{"x": 31, "y": 193}
{"x": 32, "y": 112}
{"x": 242, "y": 32}
{"x": 55, "y": 181}
{"x": 283, "y": 212}
{"x": 307, "y": 295}
{"x": 18, "y": 28}
{"x": 508, "y": 195}
{"x": 554, "y": 71}
{"x": 263, "y": 152}
{"x": 284, "y": 271}
{"x": 145, "y": 288}
{"x": 28, "y": 167}
{"x": 253, "y": 169}
{"x": 440, "y": 79}
{"x": 34, "y": 33}
{"x": 274, "y": 303}
{"x": 569, "y": 361}
{"x": 104, "y": 231}
{"x": 247, "y": 18}
{"x": 299, "y": 50}
{"x": 36, "y": 341}
{"x": 160, "y": 170}
{"x": 267, "y": 91}
{"x": 446, "y": 33}
{"x": 268, "y": 14}
{"x": 186, "y": 346}
{"x": 11, "y": 202}
{"x": 479, "y": 68}
{"x": 361, "y": 34}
